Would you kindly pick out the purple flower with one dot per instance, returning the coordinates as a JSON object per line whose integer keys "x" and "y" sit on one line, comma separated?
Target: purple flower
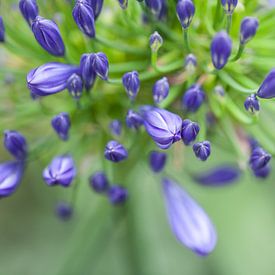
{"x": 193, "y": 98}
{"x": 61, "y": 123}
{"x": 48, "y": 36}
{"x": 248, "y": 30}
{"x": 185, "y": 12}
{"x": 50, "y": 78}
{"x": 64, "y": 210}
{"x": 154, "y": 5}
{"x": 221, "y": 47}
{"x": 229, "y": 5}
{"x": 155, "y": 41}
{"x": 202, "y": 150}
{"x": 161, "y": 90}
{"x": 75, "y": 86}
{"x": 61, "y": 171}
{"x": 190, "y": 62}
{"x": 11, "y": 173}
{"x": 96, "y": 6}
{"x": 87, "y": 70}
{"x": 189, "y": 222}
{"x": 157, "y": 161}
{"x": 99, "y": 182}
{"x": 29, "y": 10}
{"x": 123, "y": 4}
{"x": 131, "y": 84}
{"x": 115, "y": 127}
{"x": 164, "y": 127}
{"x": 2, "y": 30}
{"x": 117, "y": 194}
{"x": 115, "y": 151}
{"x": 84, "y": 17}
{"x": 259, "y": 158}
{"x": 189, "y": 131}
{"x": 262, "y": 172}
{"x": 133, "y": 120}
{"x": 252, "y": 104}
{"x": 267, "y": 89}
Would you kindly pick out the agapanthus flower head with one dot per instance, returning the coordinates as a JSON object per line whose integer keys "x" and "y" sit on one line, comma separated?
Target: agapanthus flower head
{"x": 160, "y": 90}
{"x": 248, "y": 29}
{"x": 259, "y": 158}
{"x": 16, "y": 144}
{"x": 193, "y": 98}
{"x": 61, "y": 171}
{"x": 123, "y": 4}
{"x": 96, "y": 6}
{"x": 229, "y": 5}
{"x": 157, "y": 161}
{"x": 87, "y": 70}
{"x": 64, "y": 211}
{"x": 263, "y": 172}
{"x": 155, "y": 41}
{"x": 163, "y": 126}
{"x": 267, "y": 88}
{"x": 189, "y": 131}
{"x": 189, "y": 222}
{"x": 2, "y": 30}
{"x": 252, "y": 104}
{"x": 83, "y": 15}
{"x": 29, "y": 10}
{"x": 61, "y": 123}
{"x": 190, "y": 63}
{"x": 185, "y": 12}
{"x": 50, "y": 78}
{"x": 47, "y": 34}
{"x": 202, "y": 150}
{"x": 115, "y": 152}
{"x": 131, "y": 84}
{"x": 11, "y": 173}
{"x": 75, "y": 86}
{"x": 117, "y": 194}
{"x": 133, "y": 120}
{"x": 154, "y": 5}
{"x": 99, "y": 182}
{"x": 115, "y": 127}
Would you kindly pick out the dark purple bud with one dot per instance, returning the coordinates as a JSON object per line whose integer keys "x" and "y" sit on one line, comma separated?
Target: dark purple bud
{"x": 115, "y": 127}
{"x": 87, "y": 70}
{"x": 96, "y": 6}
{"x": 134, "y": 120}
{"x": 131, "y": 84}
{"x": 190, "y": 63}
{"x": 154, "y": 5}
{"x": 29, "y": 10}
{"x": 202, "y": 150}
{"x": 161, "y": 90}
{"x": 193, "y": 98}
{"x": 156, "y": 41}
{"x": 262, "y": 172}
{"x": 259, "y": 158}
{"x": 99, "y": 182}
{"x": 75, "y": 86}
{"x": 64, "y": 211}
{"x": 61, "y": 123}
{"x": 83, "y": 15}
{"x": 2, "y": 30}
{"x": 219, "y": 176}
{"x": 16, "y": 144}
{"x": 49, "y": 78}
{"x": 123, "y": 4}
{"x": 189, "y": 131}
{"x": 267, "y": 89}
{"x": 189, "y": 222}
{"x": 249, "y": 28}
{"x": 229, "y": 5}
{"x": 117, "y": 194}
{"x": 252, "y": 104}
{"x": 164, "y": 127}
{"x": 11, "y": 173}
{"x": 115, "y": 151}
{"x": 157, "y": 161}
{"x": 221, "y": 47}
{"x": 185, "y": 12}
{"x": 48, "y": 36}
{"x": 61, "y": 171}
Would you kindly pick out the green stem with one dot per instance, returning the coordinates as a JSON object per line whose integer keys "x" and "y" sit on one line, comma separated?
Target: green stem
{"x": 239, "y": 53}
{"x": 228, "y": 22}
{"x": 186, "y": 40}
{"x": 217, "y": 14}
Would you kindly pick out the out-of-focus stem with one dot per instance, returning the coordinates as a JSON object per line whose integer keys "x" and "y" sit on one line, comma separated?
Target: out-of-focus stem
{"x": 239, "y": 53}
{"x": 228, "y": 22}
{"x": 186, "y": 40}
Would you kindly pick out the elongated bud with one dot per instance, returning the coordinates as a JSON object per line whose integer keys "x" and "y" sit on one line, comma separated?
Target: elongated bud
{"x": 83, "y": 15}
{"x": 193, "y": 98}
{"x": 115, "y": 127}
{"x": 123, "y": 4}
{"x": 202, "y": 150}
{"x": 96, "y": 6}
{"x": 154, "y": 5}
{"x": 29, "y": 10}
{"x": 190, "y": 224}
{"x": 131, "y": 84}
{"x": 115, "y": 151}
{"x": 161, "y": 90}
{"x": 267, "y": 89}
{"x": 64, "y": 211}
{"x": 189, "y": 131}
{"x": 61, "y": 171}
{"x": 117, "y": 194}
{"x": 252, "y": 104}
{"x": 134, "y": 120}
{"x": 248, "y": 30}
{"x": 157, "y": 161}
{"x": 61, "y": 123}
{"x": 190, "y": 63}
{"x": 185, "y": 12}
{"x": 2, "y": 30}
{"x": 229, "y": 5}
{"x": 87, "y": 70}
{"x": 259, "y": 158}
{"x": 156, "y": 41}
{"x": 99, "y": 182}
{"x": 75, "y": 86}
{"x": 220, "y": 49}
{"x": 48, "y": 36}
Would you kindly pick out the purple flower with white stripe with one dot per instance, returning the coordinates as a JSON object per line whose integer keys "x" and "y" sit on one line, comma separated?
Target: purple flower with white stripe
{"x": 157, "y": 161}
{"x": 154, "y": 5}
{"x": 96, "y": 6}
{"x": 29, "y": 10}
{"x": 75, "y": 86}
{"x": 248, "y": 30}
{"x": 229, "y": 5}
{"x": 189, "y": 131}
{"x": 185, "y": 12}
{"x": 252, "y": 104}
{"x": 131, "y": 84}
{"x": 202, "y": 150}
{"x": 193, "y": 98}
{"x": 87, "y": 70}
{"x": 115, "y": 152}
{"x": 155, "y": 41}
{"x": 161, "y": 90}
{"x": 267, "y": 89}
{"x": 61, "y": 123}
{"x": 259, "y": 158}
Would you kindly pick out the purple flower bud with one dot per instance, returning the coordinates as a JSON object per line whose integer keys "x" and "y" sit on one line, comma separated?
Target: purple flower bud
{"x": 83, "y": 15}
{"x": 131, "y": 84}
{"x": 267, "y": 89}
{"x": 115, "y": 151}
{"x": 202, "y": 150}
{"x": 259, "y": 158}
{"x": 115, "y": 127}
{"x": 117, "y": 194}
{"x": 29, "y": 10}
{"x": 156, "y": 41}
{"x": 61, "y": 171}
{"x": 164, "y": 127}
{"x": 162, "y": 15}
{"x": 61, "y": 123}
{"x": 64, "y": 211}
{"x": 221, "y": 47}
{"x": 189, "y": 131}
{"x": 161, "y": 90}
{"x": 16, "y": 144}
{"x": 262, "y": 172}
{"x": 193, "y": 98}
{"x": 49, "y": 78}
{"x": 190, "y": 62}
{"x": 123, "y": 4}
{"x": 133, "y": 120}
{"x": 75, "y": 86}
{"x": 248, "y": 30}
{"x": 48, "y": 36}
{"x": 154, "y": 5}
{"x": 157, "y": 161}
{"x": 229, "y": 5}
{"x": 219, "y": 176}
{"x": 99, "y": 182}
{"x": 96, "y": 6}
{"x": 185, "y": 12}
{"x": 252, "y": 104}
{"x": 87, "y": 70}
{"x": 189, "y": 222}
{"x": 2, "y": 30}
